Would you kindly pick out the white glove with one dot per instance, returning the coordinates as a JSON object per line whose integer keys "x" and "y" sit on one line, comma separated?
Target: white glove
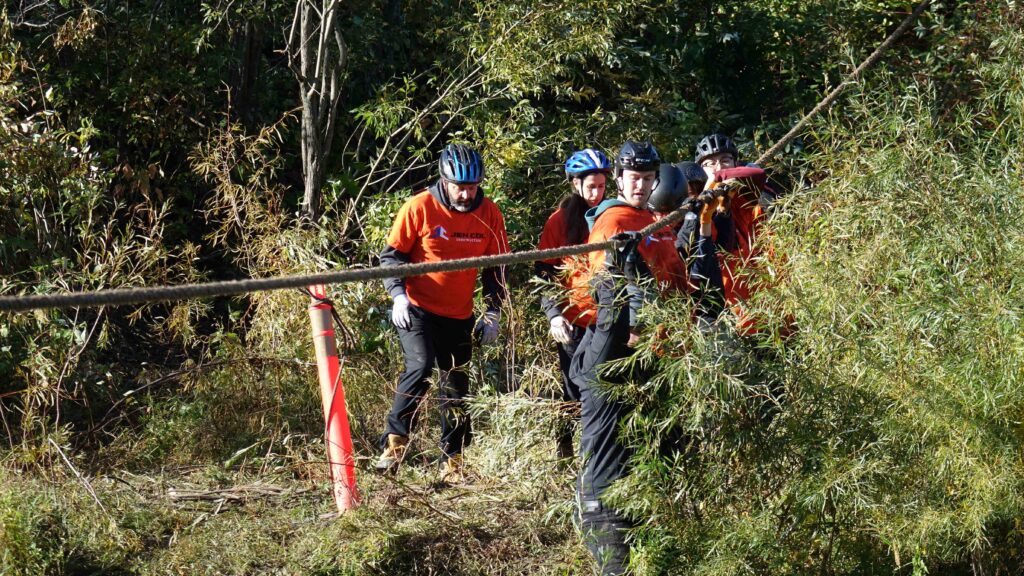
{"x": 561, "y": 330}
{"x": 488, "y": 326}
{"x": 400, "y": 312}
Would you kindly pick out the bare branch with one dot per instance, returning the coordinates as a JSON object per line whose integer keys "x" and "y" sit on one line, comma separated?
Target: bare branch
{"x": 291, "y": 43}
{"x": 82, "y": 479}
{"x": 323, "y": 55}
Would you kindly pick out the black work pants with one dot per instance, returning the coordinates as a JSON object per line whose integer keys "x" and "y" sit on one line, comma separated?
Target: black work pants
{"x": 570, "y": 391}
{"x": 604, "y": 532}
{"x": 448, "y": 343}
{"x": 605, "y": 456}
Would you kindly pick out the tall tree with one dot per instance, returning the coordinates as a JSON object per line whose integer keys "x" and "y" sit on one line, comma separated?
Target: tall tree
{"x": 317, "y": 54}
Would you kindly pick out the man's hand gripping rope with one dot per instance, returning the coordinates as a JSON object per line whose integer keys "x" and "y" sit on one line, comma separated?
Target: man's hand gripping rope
{"x": 623, "y": 256}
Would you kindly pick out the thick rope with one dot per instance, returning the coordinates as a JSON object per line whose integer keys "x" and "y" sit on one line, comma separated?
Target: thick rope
{"x": 122, "y": 296}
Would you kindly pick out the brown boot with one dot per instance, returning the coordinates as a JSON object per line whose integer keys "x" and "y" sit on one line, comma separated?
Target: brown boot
{"x": 452, "y": 470}
{"x": 393, "y": 454}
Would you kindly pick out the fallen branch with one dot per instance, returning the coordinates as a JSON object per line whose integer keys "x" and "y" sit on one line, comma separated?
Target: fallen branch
{"x": 82, "y": 479}
{"x": 240, "y": 494}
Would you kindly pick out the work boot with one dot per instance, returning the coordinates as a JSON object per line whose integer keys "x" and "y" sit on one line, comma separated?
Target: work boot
{"x": 452, "y": 471}
{"x": 393, "y": 454}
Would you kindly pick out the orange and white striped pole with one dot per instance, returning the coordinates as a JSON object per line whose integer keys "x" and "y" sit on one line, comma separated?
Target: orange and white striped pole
{"x": 337, "y": 435}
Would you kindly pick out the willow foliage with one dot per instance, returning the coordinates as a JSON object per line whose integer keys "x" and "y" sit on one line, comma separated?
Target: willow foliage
{"x": 896, "y": 441}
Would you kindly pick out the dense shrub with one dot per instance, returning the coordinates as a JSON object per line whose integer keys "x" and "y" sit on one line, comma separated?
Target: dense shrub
{"x": 896, "y": 445}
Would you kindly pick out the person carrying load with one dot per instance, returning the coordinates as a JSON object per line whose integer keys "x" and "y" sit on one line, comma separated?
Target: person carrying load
{"x": 748, "y": 201}
{"x": 622, "y": 280}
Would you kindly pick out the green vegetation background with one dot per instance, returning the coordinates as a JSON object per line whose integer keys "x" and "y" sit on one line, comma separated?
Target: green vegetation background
{"x": 156, "y": 142}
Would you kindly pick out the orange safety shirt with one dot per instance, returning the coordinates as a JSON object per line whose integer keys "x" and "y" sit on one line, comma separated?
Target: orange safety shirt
{"x": 658, "y": 250}
{"x": 737, "y": 266}
{"x": 429, "y": 232}
{"x": 572, "y": 270}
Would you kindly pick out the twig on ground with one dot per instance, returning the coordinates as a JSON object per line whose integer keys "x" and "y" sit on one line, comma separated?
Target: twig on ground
{"x": 82, "y": 479}
{"x": 239, "y": 494}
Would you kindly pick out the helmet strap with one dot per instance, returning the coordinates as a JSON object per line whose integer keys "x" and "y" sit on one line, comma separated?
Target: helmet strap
{"x": 577, "y": 185}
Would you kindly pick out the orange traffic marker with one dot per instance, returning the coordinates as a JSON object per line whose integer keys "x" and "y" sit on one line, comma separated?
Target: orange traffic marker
{"x": 337, "y": 435}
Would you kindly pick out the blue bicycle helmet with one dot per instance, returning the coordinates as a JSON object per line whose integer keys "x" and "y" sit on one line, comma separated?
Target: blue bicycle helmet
{"x": 461, "y": 164}
{"x": 587, "y": 161}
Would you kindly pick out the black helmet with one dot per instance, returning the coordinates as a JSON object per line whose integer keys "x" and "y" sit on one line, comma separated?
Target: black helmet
{"x": 669, "y": 190}
{"x": 692, "y": 172}
{"x": 461, "y": 164}
{"x": 714, "y": 144}
{"x": 638, "y": 156}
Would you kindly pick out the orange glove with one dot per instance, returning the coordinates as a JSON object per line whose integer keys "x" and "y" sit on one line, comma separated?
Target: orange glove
{"x": 716, "y": 202}
{"x": 708, "y": 211}
{"x": 732, "y": 188}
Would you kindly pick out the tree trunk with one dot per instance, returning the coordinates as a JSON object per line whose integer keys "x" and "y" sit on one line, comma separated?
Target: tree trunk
{"x": 317, "y": 54}
{"x": 248, "y": 72}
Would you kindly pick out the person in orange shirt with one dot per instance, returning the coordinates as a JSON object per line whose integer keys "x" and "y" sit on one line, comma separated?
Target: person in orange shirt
{"x": 748, "y": 203}
{"x": 619, "y": 280}
{"x": 434, "y": 312}
{"x": 722, "y": 230}
{"x": 587, "y": 171}
{"x": 678, "y": 187}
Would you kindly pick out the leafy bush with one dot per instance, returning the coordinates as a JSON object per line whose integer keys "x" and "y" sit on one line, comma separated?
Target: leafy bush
{"x": 896, "y": 445}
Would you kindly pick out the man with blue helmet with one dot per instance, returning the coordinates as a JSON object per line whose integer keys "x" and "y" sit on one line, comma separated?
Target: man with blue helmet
{"x": 587, "y": 171}
{"x": 434, "y": 312}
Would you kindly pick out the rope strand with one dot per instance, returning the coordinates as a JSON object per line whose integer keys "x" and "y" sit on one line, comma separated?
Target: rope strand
{"x": 832, "y": 96}
{"x": 122, "y": 296}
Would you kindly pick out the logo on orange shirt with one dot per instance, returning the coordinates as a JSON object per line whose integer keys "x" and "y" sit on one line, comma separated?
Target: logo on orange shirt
{"x": 657, "y": 238}
{"x": 469, "y": 236}
{"x": 439, "y": 232}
